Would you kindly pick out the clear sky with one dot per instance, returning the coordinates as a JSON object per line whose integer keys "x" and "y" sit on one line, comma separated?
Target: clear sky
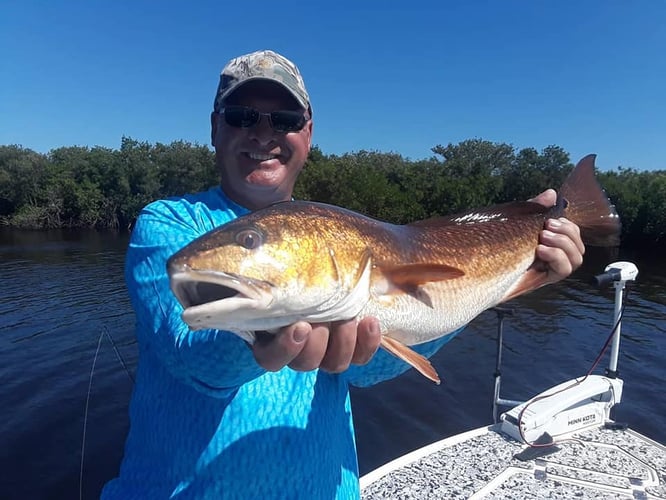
{"x": 586, "y": 75}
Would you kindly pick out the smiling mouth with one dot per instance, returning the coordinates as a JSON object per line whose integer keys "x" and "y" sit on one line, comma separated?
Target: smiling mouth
{"x": 261, "y": 156}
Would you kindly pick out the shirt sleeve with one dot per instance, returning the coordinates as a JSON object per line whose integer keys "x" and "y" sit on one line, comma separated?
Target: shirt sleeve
{"x": 385, "y": 366}
{"x": 213, "y": 361}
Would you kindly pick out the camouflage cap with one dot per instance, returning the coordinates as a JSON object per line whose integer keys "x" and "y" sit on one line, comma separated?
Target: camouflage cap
{"x": 261, "y": 65}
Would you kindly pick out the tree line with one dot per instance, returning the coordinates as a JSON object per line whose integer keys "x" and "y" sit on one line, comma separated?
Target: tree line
{"x": 106, "y": 188}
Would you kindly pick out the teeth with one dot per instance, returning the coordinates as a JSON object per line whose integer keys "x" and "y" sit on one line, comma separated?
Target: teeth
{"x": 261, "y": 156}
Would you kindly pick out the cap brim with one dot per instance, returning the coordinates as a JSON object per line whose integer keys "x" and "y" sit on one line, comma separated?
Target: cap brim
{"x": 224, "y": 96}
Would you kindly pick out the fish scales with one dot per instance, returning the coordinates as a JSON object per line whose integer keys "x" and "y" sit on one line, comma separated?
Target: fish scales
{"x": 491, "y": 265}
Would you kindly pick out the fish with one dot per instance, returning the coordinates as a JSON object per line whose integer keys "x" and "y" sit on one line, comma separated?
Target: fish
{"x": 303, "y": 260}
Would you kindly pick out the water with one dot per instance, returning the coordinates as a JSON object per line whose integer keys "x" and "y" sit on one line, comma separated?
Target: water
{"x": 61, "y": 290}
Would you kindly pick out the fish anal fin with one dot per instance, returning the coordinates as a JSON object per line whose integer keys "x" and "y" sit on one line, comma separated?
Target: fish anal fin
{"x": 408, "y": 278}
{"x": 532, "y": 279}
{"x": 419, "y": 362}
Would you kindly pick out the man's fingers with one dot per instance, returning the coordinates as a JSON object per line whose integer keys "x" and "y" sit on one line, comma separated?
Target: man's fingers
{"x": 276, "y": 351}
{"x": 571, "y": 231}
{"x": 547, "y": 198}
{"x": 331, "y": 347}
{"x": 561, "y": 248}
{"x": 312, "y": 354}
{"x": 341, "y": 345}
{"x": 558, "y": 264}
{"x": 367, "y": 341}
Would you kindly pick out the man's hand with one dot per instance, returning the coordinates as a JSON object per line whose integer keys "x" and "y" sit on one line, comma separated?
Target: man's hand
{"x": 329, "y": 346}
{"x": 561, "y": 248}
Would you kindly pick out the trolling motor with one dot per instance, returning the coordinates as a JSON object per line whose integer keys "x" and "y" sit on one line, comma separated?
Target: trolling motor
{"x": 576, "y": 404}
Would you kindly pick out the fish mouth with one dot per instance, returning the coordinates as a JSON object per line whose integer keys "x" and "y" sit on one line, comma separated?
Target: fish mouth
{"x": 208, "y": 297}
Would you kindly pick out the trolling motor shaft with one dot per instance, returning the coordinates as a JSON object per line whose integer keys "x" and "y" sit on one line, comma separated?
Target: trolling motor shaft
{"x": 617, "y": 273}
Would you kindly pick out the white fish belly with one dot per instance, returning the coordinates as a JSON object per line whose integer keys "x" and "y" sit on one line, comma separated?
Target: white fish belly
{"x": 454, "y": 304}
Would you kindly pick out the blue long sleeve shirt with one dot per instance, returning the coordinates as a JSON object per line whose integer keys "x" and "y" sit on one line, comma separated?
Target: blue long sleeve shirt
{"x": 206, "y": 421}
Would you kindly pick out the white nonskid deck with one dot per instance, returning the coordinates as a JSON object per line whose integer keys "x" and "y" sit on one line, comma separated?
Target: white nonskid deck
{"x": 599, "y": 463}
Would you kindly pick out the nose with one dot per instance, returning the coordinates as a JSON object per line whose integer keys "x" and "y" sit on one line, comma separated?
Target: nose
{"x": 262, "y": 132}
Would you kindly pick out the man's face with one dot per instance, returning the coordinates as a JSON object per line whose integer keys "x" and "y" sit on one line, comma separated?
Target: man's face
{"x": 259, "y": 165}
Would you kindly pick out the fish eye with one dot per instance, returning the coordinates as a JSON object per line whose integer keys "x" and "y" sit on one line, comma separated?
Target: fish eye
{"x": 249, "y": 238}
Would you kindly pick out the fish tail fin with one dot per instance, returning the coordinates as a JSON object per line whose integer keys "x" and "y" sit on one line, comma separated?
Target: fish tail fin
{"x": 420, "y": 363}
{"x": 583, "y": 201}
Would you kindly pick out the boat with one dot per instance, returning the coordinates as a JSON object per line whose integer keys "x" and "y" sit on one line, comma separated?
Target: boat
{"x": 562, "y": 443}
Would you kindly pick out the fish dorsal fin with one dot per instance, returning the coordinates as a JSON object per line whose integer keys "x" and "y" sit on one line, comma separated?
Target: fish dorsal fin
{"x": 532, "y": 279}
{"x": 420, "y": 363}
{"x": 408, "y": 278}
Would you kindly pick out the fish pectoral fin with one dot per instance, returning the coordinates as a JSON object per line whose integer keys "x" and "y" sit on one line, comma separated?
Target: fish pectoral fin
{"x": 419, "y": 274}
{"x": 408, "y": 278}
{"x": 532, "y": 279}
{"x": 420, "y": 363}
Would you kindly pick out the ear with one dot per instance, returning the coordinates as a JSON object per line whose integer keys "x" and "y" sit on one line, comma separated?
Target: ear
{"x": 213, "y": 128}
{"x": 309, "y": 128}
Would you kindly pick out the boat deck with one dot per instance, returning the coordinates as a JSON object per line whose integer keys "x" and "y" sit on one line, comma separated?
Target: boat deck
{"x": 596, "y": 463}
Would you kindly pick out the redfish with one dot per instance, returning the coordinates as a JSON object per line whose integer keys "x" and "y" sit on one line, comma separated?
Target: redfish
{"x": 309, "y": 261}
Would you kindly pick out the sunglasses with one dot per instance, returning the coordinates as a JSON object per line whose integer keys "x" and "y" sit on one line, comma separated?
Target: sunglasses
{"x": 281, "y": 121}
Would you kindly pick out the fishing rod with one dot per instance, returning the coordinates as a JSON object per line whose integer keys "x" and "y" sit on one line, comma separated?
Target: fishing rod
{"x": 104, "y": 332}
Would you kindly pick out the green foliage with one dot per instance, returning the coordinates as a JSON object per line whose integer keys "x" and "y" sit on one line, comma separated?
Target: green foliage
{"x": 532, "y": 172}
{"x": 469, "y": 175}
{"x": 106, "y": 188}
{"x": 359, "y": 181}
{"x": 22, "y": 175}
{"x": 97, "y": 187}
{"x": 640, "y": 199}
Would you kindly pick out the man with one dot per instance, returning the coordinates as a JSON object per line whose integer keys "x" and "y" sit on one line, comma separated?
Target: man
{"x": 210, "y": 417}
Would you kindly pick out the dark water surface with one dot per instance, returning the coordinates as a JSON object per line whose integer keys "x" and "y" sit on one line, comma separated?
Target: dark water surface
{"x": 61, "y": 290}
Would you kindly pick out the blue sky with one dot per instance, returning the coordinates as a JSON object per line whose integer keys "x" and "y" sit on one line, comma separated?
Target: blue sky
{"x": 589, "y": 76}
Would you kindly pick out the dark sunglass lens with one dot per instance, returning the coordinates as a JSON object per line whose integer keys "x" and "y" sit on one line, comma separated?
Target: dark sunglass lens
{"x": 287, "y": 121}
{"x": 241, "y": 116}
